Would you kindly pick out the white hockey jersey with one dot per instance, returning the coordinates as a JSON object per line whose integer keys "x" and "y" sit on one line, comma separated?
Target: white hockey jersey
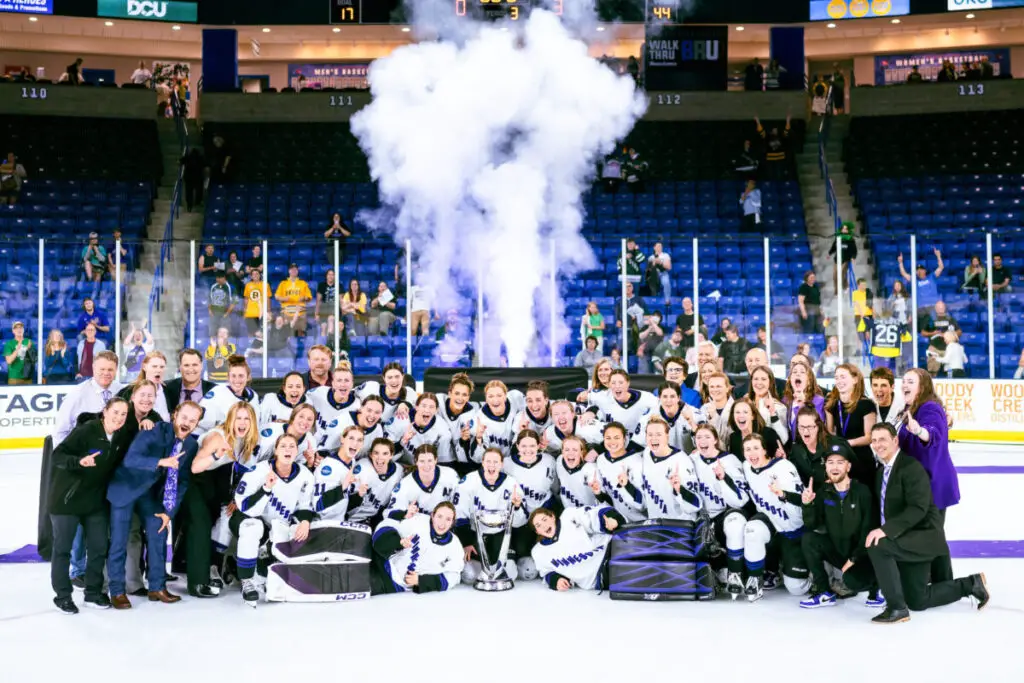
{"x": 474, "y": 495}
{"x": 577, "y": 550}
{"x": 629, "y": 413}
{"x": 627, "y": 500}
{"x": 501, "y": 431}
{"x": 327, "y": 409}
{"x": 288, "y": 496}
{"x": 660, "y": 498}
{"x": 436, "y": 433}
{"x": 218, "y": 401}
{"x": 455, "y": 423}
{"x": 574, "y": 484}
{"x": 537, "y": 480}
{"x": 330, "y": 440}
{"x": 592, "y": 433}
{"x": 238, "y": 454}
{"x": 719, "y": 495}
{"x": 537, "y": 424}
{"x": 330, "y": 500}
{"x": 269, "y": 436}
{"x": 379, "y": 488}
{"x": 429, "y": 554}
{"x": 407, "y": 396}
{"x": 679, "y": 434}
{"x": 275, "y": 408}
{"x": 426, "y": 496}
{"x": 786, "y": 515}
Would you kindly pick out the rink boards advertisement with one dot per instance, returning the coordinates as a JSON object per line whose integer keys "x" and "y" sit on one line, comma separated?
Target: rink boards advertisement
{"x": 982, "y": 410}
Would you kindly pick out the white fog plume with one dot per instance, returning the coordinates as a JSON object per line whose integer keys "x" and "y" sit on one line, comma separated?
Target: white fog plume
{"x": 482, "y": 143}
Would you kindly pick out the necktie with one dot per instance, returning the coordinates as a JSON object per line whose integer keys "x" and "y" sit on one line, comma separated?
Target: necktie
{"x": 885, "y": 483}
{"x": 171, "y": 484}
{"x": 189, "y": 394}
{"x": 106, "y": 395}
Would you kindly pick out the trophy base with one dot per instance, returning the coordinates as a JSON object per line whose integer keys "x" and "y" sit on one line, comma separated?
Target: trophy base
{"x": 494, "y": 585}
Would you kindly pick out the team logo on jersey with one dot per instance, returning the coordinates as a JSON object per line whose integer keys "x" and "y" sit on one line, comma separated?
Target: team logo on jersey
{"x": 267, "y": 432}
{"x": 325, "y": 470}
{"x": 209, "y": 394}
{"x": 357, "y": 469}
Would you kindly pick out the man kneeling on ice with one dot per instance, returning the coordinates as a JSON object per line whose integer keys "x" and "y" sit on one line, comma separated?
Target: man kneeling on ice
{"x": 570, "y": 549}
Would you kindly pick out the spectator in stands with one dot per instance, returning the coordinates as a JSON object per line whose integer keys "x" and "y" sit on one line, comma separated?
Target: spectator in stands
{"x": 948, "y": 72}
{"x": 220, "y": 160}
{"x": 808, "y": 298}
{"x": 142, "y": 75}
{"x": 633, "y": 69}
{"x": 746, "y": 163}
{"x": 592, "y": 325}
{"x": 615, "y": 359}
{"x": 73, "y": 74}
{"x": 914, "y": 76}
{"x": 635, "y": 171}
{"x": 256, "y": 262}
{"x": 94, "y": 259}
{"x": 611, "y": 173}
{"x": 899, "y": 301}
{"x": 217, "y": 354}
{"x": 773, "y": 75}
{"x": 951, "y": 359}
{"x": 974, "y": 276}
{"x": 777, "y": 355}
{"x": 208, "y": 263}
{"x": 1001, "y": 280}
{"x": 803, "y": 349}
{"x": 94, "y": 316}
{"x": 382, "y": 311}
{"x": 973, "y": 72}
{"x": 280, "y": 332}
{"x": 1019, "y": 372}
{"x": 115, "y": 238}
{"x": 12, "y": 174}
{"x": 23, "y": 76}
{"x": 775, "y": 153}
{"x": 293, "y": 294}
{"x": 234, "y": 270}
{"x": 634, "y": 262}
{"x": 319, "y": 360}
{"x": 732, "y": 352}
{"x": 648, "y": 340}
{"x": 635, "y": 308}
{"x": 724, "y": 325}
{"x": 671, "y": 347}
{"x": 863, "y": 300}
{"x": 344, "y": 343}
{"x": 221, "y": 303}
{"x": 685, "y": 322}
{"x": 137, "y": 344}
{"x": 326, "y": 293}
{"x": 353, "y": 308}
{"x": 256, "y": 296}
{"x": 337, "y": 231}
{"x": 845, "y": 241}
{"x": 194, "y": 167}
{"x": 421, "y": 302}
{"x": 819, "y": 95}
{"x": 927, "y": 287}
{"x": 987, "y": 71}
{"x": 254, "y": 351}
{"x": 750, "y": 200}
{"x": 659, "y": 274}
{"x": 58, "y": 360}
{"x": 21, "y": 356}
{"x": 589, "y": 355}
{"x": 88, "y": 348}
{"x": 838, "y": 89}
{"x": 753, "y": 75}
{"x": 829, "y": 360}
{"x": 934, "y": 331}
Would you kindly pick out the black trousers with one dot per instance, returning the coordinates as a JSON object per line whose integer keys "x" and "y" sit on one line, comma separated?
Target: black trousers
{"x": 942, "y": 566}
{"x": 193, "y": 192}
{"x": 96, "y": 528}
{"x": 819, "y": 549}
{"x": 750, "y": 226}
{"x": 198, "y": 506}
{"x": 904, "y": 575}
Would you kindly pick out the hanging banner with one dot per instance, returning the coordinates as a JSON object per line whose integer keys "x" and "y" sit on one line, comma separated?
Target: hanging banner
{"x": 680, "y": 57}
{"x": 892, "y": 69}
{"x": 27, "y": 6}
{"x": 348, "y": 76}
{"x": 28, "y": 414}
{"x": 829, "y": 10}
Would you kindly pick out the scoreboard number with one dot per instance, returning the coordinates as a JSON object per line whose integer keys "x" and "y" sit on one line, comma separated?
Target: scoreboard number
{"x": 33, "y": 93}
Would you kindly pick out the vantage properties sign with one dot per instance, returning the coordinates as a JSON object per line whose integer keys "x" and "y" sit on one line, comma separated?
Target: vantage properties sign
{"x": 148, "y": 10}
{"x": 678, "y": 57}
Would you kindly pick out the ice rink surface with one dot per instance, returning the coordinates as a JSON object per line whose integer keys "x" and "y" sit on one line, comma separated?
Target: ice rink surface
{"x": 529, "y": 633}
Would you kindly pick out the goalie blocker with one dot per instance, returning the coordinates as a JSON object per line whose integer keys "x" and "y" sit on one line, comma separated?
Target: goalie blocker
{"x": 660, "y": 559}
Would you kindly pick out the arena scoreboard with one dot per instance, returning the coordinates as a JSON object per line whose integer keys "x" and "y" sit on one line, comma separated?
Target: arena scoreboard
{"x": 659, "y": 12}
{"x": 497, "y": 10}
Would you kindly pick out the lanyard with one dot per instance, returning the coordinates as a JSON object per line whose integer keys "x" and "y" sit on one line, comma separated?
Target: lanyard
{"x": 844, "y": 423}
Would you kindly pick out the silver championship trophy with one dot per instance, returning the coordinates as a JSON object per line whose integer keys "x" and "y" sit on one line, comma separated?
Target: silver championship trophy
{"x": 493, "y": 576}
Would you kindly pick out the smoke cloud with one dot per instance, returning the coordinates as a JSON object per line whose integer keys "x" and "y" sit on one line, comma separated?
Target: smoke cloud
{"x": 482, "y": 142}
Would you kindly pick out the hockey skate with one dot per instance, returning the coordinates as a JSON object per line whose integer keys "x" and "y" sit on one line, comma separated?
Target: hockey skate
{"x": 734, "y": 584}
{"x": 216, "y": 583}
{"x": 754, "y": 589}
{"x": 250, "y": 592}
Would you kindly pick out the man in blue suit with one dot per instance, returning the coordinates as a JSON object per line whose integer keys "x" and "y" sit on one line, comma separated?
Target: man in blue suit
{"x": 152, "y": 481}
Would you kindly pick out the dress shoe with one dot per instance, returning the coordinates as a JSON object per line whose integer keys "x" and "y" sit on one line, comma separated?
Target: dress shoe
{"x": 139, "y": 592}
{"x": 121, "y": 601}
{"x": 203, "y": 591}
{"x": 979, "y": 590}
{"x": 164, "y": 596}
{"x": 892, "y": 616}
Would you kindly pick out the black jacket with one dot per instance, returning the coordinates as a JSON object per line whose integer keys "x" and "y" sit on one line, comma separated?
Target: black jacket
{"x": 847, "y": 521}
{"x": 810, "y": 464}
{"x": 911, "y": 519}
{"x": 77, "y": 490}
{"x": 172, "y": 392}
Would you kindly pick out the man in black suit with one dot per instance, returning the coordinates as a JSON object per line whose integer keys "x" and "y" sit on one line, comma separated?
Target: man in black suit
{"x": 910, "y": 537}
{"x": 190, "y": 386}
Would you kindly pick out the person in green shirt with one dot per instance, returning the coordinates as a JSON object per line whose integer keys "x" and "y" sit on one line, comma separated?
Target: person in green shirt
{"x": 20, "y": 355}
{"x": 593, "y": 325}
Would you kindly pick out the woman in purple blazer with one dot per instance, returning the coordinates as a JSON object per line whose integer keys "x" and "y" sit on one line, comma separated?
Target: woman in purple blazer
{"x": 802, "y": 390}
{"x": 924, "y": 435}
